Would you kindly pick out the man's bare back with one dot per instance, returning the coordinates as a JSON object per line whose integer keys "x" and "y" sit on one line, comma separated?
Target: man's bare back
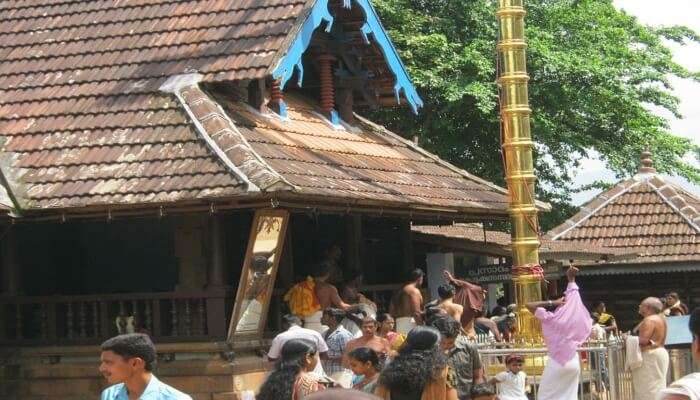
{"x": 654, "y": 328}
{"x": 408, "y": 302}
{"x": 453, "y": 310}
{"x": 327, "y": 295}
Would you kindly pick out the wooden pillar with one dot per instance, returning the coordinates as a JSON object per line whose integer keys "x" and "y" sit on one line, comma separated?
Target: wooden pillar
{"x": 9, "y": 266}
{"x": 216, "y": 280}
{"x": 188, "y": 249}
{"x": 353, "y": 242}
{"x": 217, "y": 261}
{"x": 406, "y": 238}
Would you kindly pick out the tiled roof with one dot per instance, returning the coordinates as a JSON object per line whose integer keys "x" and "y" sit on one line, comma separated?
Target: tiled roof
{"x": 88, "y": 117}
{"x": 646, "y": 213}
{"x": 82, "y": 119}
{"x": 476, "y": 235}
{"x": 363, "y": 163}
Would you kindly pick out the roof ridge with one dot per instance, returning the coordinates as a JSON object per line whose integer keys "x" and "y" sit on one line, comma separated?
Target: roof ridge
{"x": 592, "y": 207}
{"x": 675, "y": 200}
{"x": 212, "y": 123}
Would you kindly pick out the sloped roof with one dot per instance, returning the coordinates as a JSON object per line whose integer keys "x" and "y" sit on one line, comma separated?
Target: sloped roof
{"x": 307, "y": 156}
{"x": 647, "y": 214}
{"x": 86, "y": 120}
{"x": 499, "y": 243}
{"x": 81, "y": 116}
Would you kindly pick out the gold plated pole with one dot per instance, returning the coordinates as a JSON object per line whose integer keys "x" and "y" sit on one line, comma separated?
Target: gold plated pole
{"x": 517, "y": 146}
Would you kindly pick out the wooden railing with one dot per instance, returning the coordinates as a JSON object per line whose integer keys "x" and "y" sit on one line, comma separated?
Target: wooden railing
{"x": 87, "y": 319}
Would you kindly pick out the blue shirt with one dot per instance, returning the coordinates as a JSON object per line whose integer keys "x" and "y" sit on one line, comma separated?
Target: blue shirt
{"x": 155, "y": 390}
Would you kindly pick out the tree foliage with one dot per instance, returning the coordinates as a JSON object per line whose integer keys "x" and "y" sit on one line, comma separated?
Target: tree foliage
{"x": 594, "y": 70}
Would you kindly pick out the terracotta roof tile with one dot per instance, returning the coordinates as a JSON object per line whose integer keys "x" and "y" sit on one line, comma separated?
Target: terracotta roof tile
{"x": 81, "y": 114}
{"x": 83, "y": 120}
{"x": 549, "y": 250}
{"x": 646, "y": 213}
{"x": 359, "y": 162}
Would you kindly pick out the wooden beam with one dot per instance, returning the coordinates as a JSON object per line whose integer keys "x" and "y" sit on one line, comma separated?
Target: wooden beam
{"x": 406, "y": 240}
{"x": 353, "y": 242}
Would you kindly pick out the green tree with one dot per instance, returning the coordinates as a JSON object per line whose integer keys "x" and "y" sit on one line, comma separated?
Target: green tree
{"x": 594, "y": 71}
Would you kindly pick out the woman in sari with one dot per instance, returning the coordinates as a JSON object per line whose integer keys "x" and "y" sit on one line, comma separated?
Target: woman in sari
{"x": 419, "y": 371}
{"x": 386, "y": 331}
{"x": 291, "y": 378}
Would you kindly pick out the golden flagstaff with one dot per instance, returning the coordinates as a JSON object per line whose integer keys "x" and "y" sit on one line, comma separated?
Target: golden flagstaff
{"x": 517, "y": 146}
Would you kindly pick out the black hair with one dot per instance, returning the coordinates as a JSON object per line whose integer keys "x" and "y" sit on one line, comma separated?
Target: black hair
{"x": 337, "y": 314}
{"x": 365, "y": 354}
{"x": 133, "y": 345}
{"x": 383, "y": 317}
{"x": 432, "y": 313}
{"x": 419, "y": 360}
{"x": 446, "y": 325}
{"x": 482, "y": 389}
{"x": 446, "y": 291}
{"x": 280, "y": 383}
{"x": 416, "y": 274}
{"x": 598, "y": 304}
{"x": 694, "y": 323}
{"x": 290, "y": 319}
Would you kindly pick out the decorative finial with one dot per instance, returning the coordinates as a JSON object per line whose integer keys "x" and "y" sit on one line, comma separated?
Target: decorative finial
{"x": 647, "y": 164}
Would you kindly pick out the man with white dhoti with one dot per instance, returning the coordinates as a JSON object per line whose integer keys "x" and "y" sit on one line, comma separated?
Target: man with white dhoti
{"x": 327, "y": 296}
{"x": 566, "y": 324}
{"x": 649, "y": 378}
{"x": 407, "y": 303}
{"x": 688, "y": 387}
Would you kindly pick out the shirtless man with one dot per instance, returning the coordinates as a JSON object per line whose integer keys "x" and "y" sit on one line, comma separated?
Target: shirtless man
{"x": 650, "y": 378}
{"x": 327, "y": 296}
{"x": 326, "y": 293}
{"x": 446, "y": 293}
{"x": 369, "y": 339}
{"x": 407, "y": 303}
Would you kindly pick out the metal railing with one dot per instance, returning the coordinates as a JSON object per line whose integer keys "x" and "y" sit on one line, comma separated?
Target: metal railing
{"x": 602, "y": 377}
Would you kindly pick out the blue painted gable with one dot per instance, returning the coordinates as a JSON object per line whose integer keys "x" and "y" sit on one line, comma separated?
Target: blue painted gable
{"x": 372, "y": 29}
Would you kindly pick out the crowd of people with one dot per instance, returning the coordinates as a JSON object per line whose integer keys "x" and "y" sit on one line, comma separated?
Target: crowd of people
{"x": 423, "y": 351}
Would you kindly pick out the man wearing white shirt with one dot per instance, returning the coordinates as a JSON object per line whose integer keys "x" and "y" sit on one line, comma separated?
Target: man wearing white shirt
{"x": 295, "y": 331}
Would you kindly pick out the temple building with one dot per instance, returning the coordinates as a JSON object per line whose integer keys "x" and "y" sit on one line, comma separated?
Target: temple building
{"x": 648, "y": 215}
{"x": 173, "y": 167}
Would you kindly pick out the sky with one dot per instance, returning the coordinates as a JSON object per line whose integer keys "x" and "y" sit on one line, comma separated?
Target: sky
{"x": 656, "y": 12}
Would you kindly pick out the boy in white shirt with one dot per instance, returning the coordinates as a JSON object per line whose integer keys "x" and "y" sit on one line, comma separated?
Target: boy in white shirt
{"x": 511, "y": 383}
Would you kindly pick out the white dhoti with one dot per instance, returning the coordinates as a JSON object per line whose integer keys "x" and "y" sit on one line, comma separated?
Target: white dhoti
{"x": 405, "y": 324}
{"x": 650, "y": 378}
{"x": 560, "y": 382}
{"x": 313, "y": 322}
